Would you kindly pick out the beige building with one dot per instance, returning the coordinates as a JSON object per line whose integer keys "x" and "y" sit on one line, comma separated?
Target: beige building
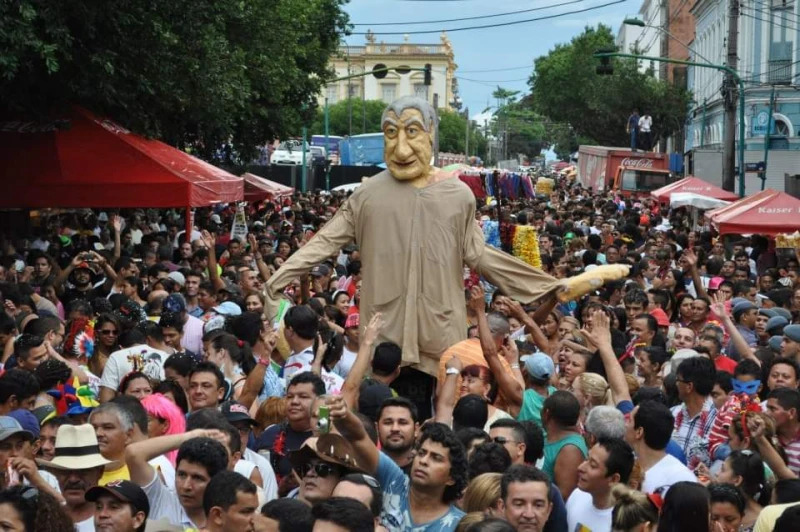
{"x": 355, "y": 59}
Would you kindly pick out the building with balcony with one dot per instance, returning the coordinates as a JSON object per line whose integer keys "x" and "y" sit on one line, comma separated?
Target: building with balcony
{"x": 352, "y": 59}
{"x": 768, "y": 58}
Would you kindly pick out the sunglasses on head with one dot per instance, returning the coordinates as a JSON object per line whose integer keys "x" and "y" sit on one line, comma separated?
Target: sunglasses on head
{"x": 322, "y": 469}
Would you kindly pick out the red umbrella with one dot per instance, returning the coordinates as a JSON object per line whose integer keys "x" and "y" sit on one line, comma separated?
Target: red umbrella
{"x": 80, "y": 160}
{"x": 771, "y": 214}
{"x": 694, "y": 185}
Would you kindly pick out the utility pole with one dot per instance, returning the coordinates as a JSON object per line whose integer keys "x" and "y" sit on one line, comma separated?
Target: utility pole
{"x": 729, "y": 100}
{"x": 663, "y": 70}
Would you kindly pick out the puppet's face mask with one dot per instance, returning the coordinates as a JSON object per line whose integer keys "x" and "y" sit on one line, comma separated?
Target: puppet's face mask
{"x": 408, "y": 145}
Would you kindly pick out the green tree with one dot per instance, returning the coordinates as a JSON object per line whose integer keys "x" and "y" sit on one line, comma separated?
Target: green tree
{"x": 339, "y": 117}
{"x": 453, "y": 133}
{"x": 195, "y": 74}
{"x": 566, "y": 88}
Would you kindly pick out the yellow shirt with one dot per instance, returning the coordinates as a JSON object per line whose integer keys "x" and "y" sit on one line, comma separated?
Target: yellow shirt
{"x": 117, "y": 474}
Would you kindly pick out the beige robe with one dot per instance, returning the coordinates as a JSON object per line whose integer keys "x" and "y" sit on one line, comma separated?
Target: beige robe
{"x": 414, "y": 243}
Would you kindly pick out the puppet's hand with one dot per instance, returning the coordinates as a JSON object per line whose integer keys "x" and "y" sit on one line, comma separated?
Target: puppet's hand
{"x": 593, "y": 280}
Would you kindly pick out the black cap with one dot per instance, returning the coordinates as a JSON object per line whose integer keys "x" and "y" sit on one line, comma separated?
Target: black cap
{"x": 125, "y": 491}
{"x": 320, "y": 270}
{"x": 234, "y": 412}
{"x": 372, "y": 396}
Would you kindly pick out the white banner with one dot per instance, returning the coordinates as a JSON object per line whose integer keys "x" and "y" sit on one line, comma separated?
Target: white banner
{"x": 239, "y": 227}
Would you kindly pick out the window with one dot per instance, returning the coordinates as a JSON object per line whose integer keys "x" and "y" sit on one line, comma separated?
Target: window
{"x": 332, "y": 93}
{"x": 420, "y": 91}
{"x": 388, "y": 92}
{"x": 781, "y": 47}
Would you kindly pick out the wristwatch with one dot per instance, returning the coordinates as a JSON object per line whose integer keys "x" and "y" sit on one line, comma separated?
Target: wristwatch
{"x": 452, "y": 371}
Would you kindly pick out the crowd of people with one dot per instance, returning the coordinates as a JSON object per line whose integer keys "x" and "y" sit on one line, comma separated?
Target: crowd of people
{"x": 144, "y": 386}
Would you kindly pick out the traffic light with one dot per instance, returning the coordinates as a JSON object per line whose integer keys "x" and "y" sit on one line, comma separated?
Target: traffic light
{"x": 427, "y": 73}
{"x": 605, "y": 68}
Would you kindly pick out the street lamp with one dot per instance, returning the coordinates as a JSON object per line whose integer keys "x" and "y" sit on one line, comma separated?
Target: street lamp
{"x": 641, "y": 24}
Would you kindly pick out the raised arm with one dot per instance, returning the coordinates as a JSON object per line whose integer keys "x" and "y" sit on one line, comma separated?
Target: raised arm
{"x": 446, "y": 400}
{"x": 255, "y": 379}
{"x": 263, "y": 269}
{"x": 741, "y": 345}
{"x": 757, "y": 426}
{"x": 350, "y": 427}
{"x": 690, "y": 259}
{"x": 352, "y": 384}
{"x": 600, "y": 337}
{"x": 511, "y": 389}
{"x": 531, "y": 327}
{"x": 137, "y": 455}
{"x": 210, "y": 242}
{"x": 116, "y": 223}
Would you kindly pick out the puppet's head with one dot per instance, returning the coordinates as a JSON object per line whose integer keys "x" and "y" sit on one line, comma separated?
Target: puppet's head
{"x": 408, "y": 125}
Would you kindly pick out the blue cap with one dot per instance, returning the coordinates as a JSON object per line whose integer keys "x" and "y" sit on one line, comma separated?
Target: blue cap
{"x": 782, "y": 312}
{"x": 768, "y": 312}
{"x": 174, "y": 303}
{"x": 775, "y": 323}
{"x": 10, "y": 426}
{"x": 228, "y": 308}
{"x": 27, "y": 420}
{"x": 539, "y": 366}
{"x": 742, "y": 306}
{"x": 792, "y": 332}
{"x": 774, "y": 343}
{"x": 736, "y": 300}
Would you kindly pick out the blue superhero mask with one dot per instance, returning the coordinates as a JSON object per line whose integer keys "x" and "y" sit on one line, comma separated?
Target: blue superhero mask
{"x": 746, "y": 387}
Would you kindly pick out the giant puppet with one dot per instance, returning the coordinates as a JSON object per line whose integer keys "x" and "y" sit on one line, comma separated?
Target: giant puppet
{"x": 415, "y": 227}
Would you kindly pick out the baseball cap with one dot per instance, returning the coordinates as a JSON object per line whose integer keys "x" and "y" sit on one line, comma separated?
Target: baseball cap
{"x": 228, "y": 308}
{"x": 714, "y": 283}
{"x": 372, "y": 396}
{"x": 539, "y": 365}
{"x": 10, "y": 426}
{"x": 123, "y": 490}
{"x": 174, "y": 303}
{"x": 44, "y": 413}
{"x": 782, "y": 312}
{"x": 27, "y": 421}
{"x": 661, "y": 317}
{"x": 792, "y": 332}
{"x": 353, "y": 320}
{"x": 742, "y": 306}
{"x": 216, "y": 219}
{"x": 177, "y": 277}
{"x": 775, "y": 342}
{"x": 232, "y": 289}
{"x": 775, "y": 323}
{"x": 234, "y": 411}
{"x": 768, "y": 312}
{"x": 320, "y": 270}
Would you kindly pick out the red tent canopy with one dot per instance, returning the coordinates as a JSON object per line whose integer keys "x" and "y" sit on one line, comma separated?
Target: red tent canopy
{"x": 758, "y": 196}
{"x": 257, "y": 188}
{"x": 80, "y": 160}
{"x": 694, "y": 185}
{"x": 769, "y": 215}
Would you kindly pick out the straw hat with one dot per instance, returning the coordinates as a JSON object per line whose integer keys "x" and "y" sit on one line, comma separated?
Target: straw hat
{"x": 76, "y": 448}
{"x": 332, "y": 448}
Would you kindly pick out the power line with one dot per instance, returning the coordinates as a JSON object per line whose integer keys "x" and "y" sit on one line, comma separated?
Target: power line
{"x": 771, "y": 23}
{"x": 495, "y": 70}
{"x": 497, "y": 25}
{"x": 493, "y": 80}
{"x": 540, "y": 8}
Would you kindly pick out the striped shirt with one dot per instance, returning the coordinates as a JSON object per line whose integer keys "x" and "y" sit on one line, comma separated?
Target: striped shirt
{"x": 792, "y": 449}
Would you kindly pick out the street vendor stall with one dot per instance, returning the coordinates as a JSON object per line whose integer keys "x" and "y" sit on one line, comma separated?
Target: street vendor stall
{"x": 770, "y": 214}
{"x": 693, "y": 185}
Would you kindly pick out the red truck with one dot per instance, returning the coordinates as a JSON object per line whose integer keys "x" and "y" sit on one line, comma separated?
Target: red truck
{"x": 629, "y": 172}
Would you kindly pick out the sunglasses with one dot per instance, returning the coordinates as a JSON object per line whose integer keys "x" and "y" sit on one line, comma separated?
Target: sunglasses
{"x": 108, "y": 332}
{"x": 502, "y": 440}
{"x": 322, "y": 469}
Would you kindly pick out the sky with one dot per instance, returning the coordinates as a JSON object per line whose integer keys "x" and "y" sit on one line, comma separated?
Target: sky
{"x": 481, "y": 53}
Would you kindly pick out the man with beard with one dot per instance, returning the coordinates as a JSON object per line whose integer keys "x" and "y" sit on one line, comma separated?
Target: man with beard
{"x": 78, "y": 466}
{"x": 398, "y": 425}
{"x": 80, "y": 276}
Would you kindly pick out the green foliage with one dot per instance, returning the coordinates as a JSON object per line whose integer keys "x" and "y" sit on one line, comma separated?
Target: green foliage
{"x": 453, "y": 133}
{"x": 566, "y": 89}
{"x": 339, "y": 117}
{"x": 194, "y": 74}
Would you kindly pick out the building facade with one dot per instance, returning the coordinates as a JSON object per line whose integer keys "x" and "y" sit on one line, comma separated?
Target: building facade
{"x": 768, "y": 61}
{"x": 357, "y": 59}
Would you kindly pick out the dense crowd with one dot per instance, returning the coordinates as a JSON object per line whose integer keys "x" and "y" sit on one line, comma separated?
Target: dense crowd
{"x": 143, "y": 386}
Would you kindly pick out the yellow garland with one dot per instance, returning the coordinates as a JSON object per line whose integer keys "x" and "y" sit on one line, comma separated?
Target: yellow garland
{"x": 526, "y": 245}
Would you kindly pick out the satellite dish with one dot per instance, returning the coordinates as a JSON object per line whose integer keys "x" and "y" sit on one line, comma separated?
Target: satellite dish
{"x": 379, "y": 71}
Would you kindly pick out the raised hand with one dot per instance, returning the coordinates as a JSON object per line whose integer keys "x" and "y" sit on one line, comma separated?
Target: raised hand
{"x": 455, "y": 363}
{"x": 373, "y": 328}
{"x": 718, "y": 304}
{"x": 477, "y": 301}
{"x": 209, "y": 240}
{"x": 116, "y": 223}
{"x": 600, "y": 333}
{"x": 514, "y": 308}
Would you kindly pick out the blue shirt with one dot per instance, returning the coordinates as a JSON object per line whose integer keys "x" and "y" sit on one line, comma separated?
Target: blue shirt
{"x": 396, "y": 514}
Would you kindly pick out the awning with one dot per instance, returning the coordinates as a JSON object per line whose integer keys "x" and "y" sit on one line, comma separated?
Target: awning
{"x": 698, "y": 201}
{"x": 257, "y": 188}
{"x": 694, "y": 185}
{"x": 79, "y": 160}
{"x": 771, "y": 214}
{"x": 758, "y": 196}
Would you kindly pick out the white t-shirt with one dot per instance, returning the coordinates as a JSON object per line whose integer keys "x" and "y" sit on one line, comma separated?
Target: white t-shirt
{"x": 137, "y": 358}
{"x": 87, "y": 525}
{"x": 192, "y": 338}
{"x": 297, "y": 363}
{"x": 162, "y": 464}
{"x": 582, "y": 514}
{"x": 165, "y": 504}
{"x": 345, "y": 364}
{"x": 267, "y": 473}
{"x": 645, "y": 122}
{"x": 664, "y": 474}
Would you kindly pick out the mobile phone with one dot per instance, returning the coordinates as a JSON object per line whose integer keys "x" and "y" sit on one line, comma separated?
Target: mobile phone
{"x": 324, "y": 420}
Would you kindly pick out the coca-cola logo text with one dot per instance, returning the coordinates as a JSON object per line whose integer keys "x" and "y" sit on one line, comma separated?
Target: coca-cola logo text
{"x": 637, "y": 163}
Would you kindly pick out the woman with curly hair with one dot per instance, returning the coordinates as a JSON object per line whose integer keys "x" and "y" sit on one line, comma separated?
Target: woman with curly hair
{"x": 27, "y": 509}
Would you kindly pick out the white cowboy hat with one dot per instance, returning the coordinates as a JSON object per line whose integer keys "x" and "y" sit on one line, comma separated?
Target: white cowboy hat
{"x": 76, "y": 448}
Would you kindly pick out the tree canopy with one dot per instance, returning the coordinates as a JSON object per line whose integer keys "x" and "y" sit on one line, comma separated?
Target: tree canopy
{"x": 194, "y": 73}
{"x": 339, "y": 117}
{"x": 453, "y": 133}
{"x": 566, "y": 89}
